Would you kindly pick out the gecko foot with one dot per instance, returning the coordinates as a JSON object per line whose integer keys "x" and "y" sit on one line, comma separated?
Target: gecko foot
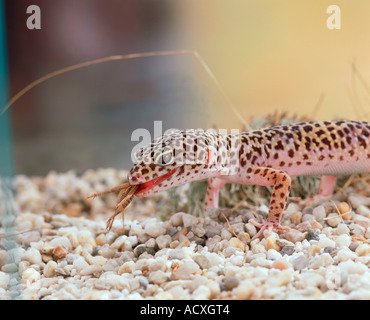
{"x": 267, "y": 225}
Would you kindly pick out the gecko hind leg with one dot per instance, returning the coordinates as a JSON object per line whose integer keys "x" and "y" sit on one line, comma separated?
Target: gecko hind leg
{"x": 327, "y": 186}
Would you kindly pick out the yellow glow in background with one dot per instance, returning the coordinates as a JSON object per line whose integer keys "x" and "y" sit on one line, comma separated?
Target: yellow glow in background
{"x": 280, "y": 55}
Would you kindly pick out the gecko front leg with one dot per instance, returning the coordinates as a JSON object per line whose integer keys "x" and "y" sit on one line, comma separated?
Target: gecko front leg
{"x": 212, "y": 195}
{"x": 279, "y": 197}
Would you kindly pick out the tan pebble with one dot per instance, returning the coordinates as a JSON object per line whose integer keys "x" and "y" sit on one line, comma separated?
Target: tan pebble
{"x": 72, "y": 210}
{"x": 345, "y": 210}
{"x": 127, "y": 267}
{"x": 46, "y": 258}
{"x": 272, "y": 244}
{"x": 333, "y": 219}
{"x": 313, "y": 250}
{"x": 97, "y": 260}
{"x": 236, "y": 243}
{"x": 304, "y": 226}
{"x": 244, "y": 237}
{"x": 174, "y": 244}
{"x": 284, "y": 243}
{"x": 363, "y": 249}
{"x": 297, "y": 218}
{"x": 367, "y": 234}
{"x": 294, "y": 235}
{"x": 184, "y": 243}
{"x": 281, "y": 265}
{"x": 49, "y": 270}
{"x": 163, "y": 295}
{"x": 357, "y": 237}
{"x": 362, "y": 223}
{"x": 244, "y": 290}
{"x": 59, "y": 252}
{"x": 101, "y": 240}
{"x": 316, "y": 225}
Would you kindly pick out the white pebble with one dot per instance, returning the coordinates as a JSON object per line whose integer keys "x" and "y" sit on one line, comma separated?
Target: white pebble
{"x": 251, "y": 229}
{"x": 363, "y": 249}
{"x": 367, "y": 233}
{"x": 163, "y": 295}
{"x": 358, "y": 200}
{"x": 127, "y": 267}
{"x": 341, "y": 229}
{"x": 356, "y": 229}
{"x": 322, "y": 260}
{"x": 61, "y": 241}
{"x": 261, "y": 262}
{"x": 236, "y": 260}
{"x": 49, "y": 269}
{"x": 179, "y": 293}
{"x": 345, "y": 254}
{"x": 353, "y": 267}
{"x": 79, "y": 263}
{"x": 33, "y": 256}
{"x": 363, "y": 211}
{"x": 214, "y": 259}
{"x": 272, "y": 254}
{"x": 85, "y": 236}
{"x": 189, "y": 220}
{"x": 344, "y": 240}
{"x": 176, "y": 219}
{"x": 258, "y": 248}
{"x": 31, "y": 275}
{"x": 202, "y": 293}
{"x": 109, "y": 280}
{"x": 325, "y": 242}
{"x": 158, "y": 277}
{"x": 319, "y": 213}
{"x": 155, "y": 229}
{"x": 4, "y": 280}
{"x": 95, "y": 260}
{"x": 118, "y": 243}
{"x": 32, "y": 236}
{"x": 186, "y": 270}
{"x": 163, "y": 241}
{"x": 292, "y": 208}
{"x": 309, "y": 279}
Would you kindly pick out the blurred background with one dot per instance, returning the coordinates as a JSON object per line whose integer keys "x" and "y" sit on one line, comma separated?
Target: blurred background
{"x": 267, "y": 55}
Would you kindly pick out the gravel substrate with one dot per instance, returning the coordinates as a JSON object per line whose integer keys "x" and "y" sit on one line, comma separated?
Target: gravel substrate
{"x": 69, "y": 254}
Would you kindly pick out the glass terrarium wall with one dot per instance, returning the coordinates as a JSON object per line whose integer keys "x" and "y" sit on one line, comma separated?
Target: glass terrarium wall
{"x": 6, "y": 159}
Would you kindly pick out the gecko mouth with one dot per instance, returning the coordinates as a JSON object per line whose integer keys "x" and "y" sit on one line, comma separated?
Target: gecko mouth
{"x": 146, "y": 186}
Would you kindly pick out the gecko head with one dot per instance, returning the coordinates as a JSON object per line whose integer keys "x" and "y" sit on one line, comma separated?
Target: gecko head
{"x": 173, "y": 159}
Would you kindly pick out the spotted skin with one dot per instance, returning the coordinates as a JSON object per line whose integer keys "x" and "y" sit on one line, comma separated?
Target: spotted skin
{"x": 261, "y": 157}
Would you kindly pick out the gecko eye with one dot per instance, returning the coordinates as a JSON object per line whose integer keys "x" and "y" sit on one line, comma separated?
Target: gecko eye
{"x": 165, "y": 158}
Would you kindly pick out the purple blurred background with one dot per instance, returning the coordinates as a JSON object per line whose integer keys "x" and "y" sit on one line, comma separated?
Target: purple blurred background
{"x": 84, "y": 119}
